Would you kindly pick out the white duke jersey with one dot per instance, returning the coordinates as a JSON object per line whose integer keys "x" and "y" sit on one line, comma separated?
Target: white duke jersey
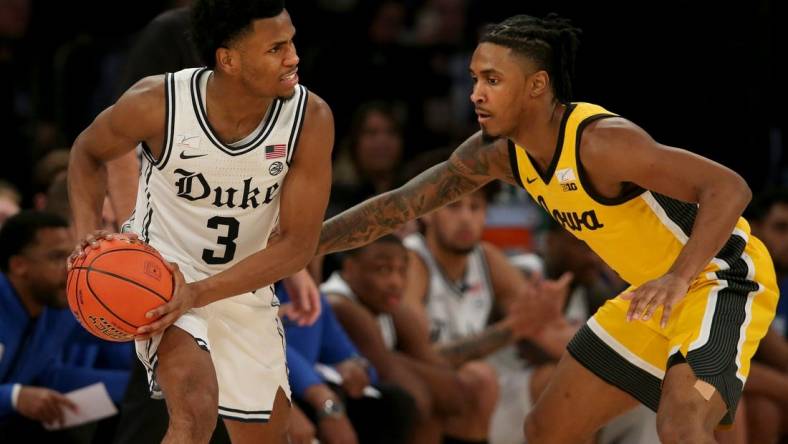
{"x": 455, "y": 310}
{"x": 206, "y": 204}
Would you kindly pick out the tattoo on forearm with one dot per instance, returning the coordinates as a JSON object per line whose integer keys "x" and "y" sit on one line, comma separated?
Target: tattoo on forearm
{"x": 473, "y": 164}
{"x": 464, "y": 350}
{"x": 372, "y": 219}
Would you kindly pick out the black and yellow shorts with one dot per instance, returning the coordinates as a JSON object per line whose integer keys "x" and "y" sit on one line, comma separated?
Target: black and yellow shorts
{"x": 716, "y": 329}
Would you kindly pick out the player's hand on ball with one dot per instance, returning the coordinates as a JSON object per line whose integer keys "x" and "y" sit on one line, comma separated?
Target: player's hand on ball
{"x": 42, "y": 404}
{"x": 183, "y": 298}
{"x": 663, "y": 292}
{"x": 92, "y": 241}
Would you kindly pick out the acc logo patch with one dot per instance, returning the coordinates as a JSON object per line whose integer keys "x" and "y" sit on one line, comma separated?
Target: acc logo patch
{"x": 276, "y": 168}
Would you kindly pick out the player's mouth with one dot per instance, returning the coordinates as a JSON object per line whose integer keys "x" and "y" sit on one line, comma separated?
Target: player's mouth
{"x": 482, "y": 116}
{"x": 290, "y": 79}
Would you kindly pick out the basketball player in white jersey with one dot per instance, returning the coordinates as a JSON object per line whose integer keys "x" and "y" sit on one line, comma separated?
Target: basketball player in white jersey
{"x": 461, "y": 285}
{"x": 231, "y": 150}
{"x": 458, "y": 282}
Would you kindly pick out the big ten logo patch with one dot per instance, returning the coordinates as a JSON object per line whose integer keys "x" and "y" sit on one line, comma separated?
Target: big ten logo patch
{"x": 566, "y": 178}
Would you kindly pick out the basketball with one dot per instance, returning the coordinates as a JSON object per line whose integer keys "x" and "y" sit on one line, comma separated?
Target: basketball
{"x": 112, "y": 287}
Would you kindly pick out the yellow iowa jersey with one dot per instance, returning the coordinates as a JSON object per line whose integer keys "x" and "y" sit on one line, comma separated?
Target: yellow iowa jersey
{"x": 639, "y": 234}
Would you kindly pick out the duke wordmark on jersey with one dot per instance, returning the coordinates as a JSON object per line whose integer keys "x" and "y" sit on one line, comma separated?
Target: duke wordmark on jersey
{"x": 193, "y": 186}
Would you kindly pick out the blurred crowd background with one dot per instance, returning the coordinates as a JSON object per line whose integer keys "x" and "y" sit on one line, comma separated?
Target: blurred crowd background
{"x": 704, "y": 76}
{"x": 700, "y": 75}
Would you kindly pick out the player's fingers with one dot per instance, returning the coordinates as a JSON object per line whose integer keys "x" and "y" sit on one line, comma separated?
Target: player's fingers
{"x": 317, "y": 307}
{"x": 627, "y": 296}
{"x": 637, "y": 304}
{"x": 633, "y": 298}
{"x": 284, "y": 310}
{"x": 159, "y": 314}
{"x": 70, "y": 261}
{"x": 666, "y": 314}
{"x": 172, "y": 266}
{"x": 160, "y": 311}
{"x": 565, "y": 279}
{"x": 158, "y": 326}
{"x": 650, "y": 308}
{"x": 644, "y": 302}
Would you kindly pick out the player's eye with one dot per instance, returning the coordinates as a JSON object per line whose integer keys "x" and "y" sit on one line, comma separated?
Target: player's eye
{"x": 492, "y": 81}
{"x": 274, "y": 50}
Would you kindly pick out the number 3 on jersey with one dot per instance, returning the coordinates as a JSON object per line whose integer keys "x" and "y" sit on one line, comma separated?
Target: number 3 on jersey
{"x": 228, "y": 241}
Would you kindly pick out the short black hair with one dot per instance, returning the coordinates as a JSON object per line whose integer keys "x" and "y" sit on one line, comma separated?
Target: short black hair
{"x": 763, "y": 203}
{"x": 216, "y": 23}
{"x": 551, "y": 42}
{"x": 19, "y": 232}
{"x": 386, "y": 239}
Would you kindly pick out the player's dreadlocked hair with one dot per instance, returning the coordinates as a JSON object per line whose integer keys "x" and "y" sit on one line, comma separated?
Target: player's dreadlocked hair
{"x": 551, "y": 42}
{"x": 215, "y": 23}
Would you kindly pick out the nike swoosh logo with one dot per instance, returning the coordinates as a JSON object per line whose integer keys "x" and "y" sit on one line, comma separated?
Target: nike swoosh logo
{"x": 192, "y": 156}
{"x": 527, "y": 179}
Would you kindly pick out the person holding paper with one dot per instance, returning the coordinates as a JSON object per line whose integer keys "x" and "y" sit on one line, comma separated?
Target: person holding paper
{"x": 35, "y": 327}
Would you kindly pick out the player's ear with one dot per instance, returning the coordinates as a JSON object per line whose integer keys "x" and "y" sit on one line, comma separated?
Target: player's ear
{"x": 538, "y": 83}
{"x": 17, "y": 265}
{"x": 227, "y": 60}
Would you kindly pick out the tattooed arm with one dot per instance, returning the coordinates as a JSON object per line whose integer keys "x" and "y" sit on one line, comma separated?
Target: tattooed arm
{"x": 473, "y": 164}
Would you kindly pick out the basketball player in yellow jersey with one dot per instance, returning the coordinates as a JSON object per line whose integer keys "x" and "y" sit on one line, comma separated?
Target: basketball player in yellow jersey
{"x": 703, "y": 289}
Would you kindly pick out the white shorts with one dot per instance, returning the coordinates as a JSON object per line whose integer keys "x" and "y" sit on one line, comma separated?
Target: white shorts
{"x": 247, "y": 345}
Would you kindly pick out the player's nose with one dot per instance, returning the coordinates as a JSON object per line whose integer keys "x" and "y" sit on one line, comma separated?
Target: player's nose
{"x": 476, "y": 97}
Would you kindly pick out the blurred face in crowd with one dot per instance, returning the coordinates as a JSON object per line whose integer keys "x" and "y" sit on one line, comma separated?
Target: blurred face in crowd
{"x": 265, "y": 58}
{"x": 457, "y": 228}
{"x": 379, "y": 145}
{"x": 376, "y": 275}
{"x": 568, "y": 253}
{"x": 388, "y": 23}
{"x": 499, "y": 88}
{"x": 41, "y": 266}
{"x": 773, "y": 231}
{"x": 8, "y": 207}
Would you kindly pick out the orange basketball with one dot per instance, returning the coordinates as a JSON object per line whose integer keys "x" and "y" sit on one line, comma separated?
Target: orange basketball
{"x": 112, "y": 287}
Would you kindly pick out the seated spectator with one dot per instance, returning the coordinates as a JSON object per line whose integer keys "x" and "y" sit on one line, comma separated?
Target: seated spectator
{"x": 35, "y": 327}
{"x": 476, "y": 304}
{"x": 47, "y": 170}
{"x": 340, "y": 412}
{"x": 367, "y": 164}
{"x": 368, "y": 161}
{"x": 366, "y": 297}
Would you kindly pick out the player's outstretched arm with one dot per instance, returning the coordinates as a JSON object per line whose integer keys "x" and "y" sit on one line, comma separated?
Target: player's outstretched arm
{"x": 137, "y": 116}
{"x": 473, "y": 164}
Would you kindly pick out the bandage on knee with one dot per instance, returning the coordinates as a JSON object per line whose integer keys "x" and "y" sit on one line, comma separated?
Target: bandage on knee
{"x": 705, "y": 389}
